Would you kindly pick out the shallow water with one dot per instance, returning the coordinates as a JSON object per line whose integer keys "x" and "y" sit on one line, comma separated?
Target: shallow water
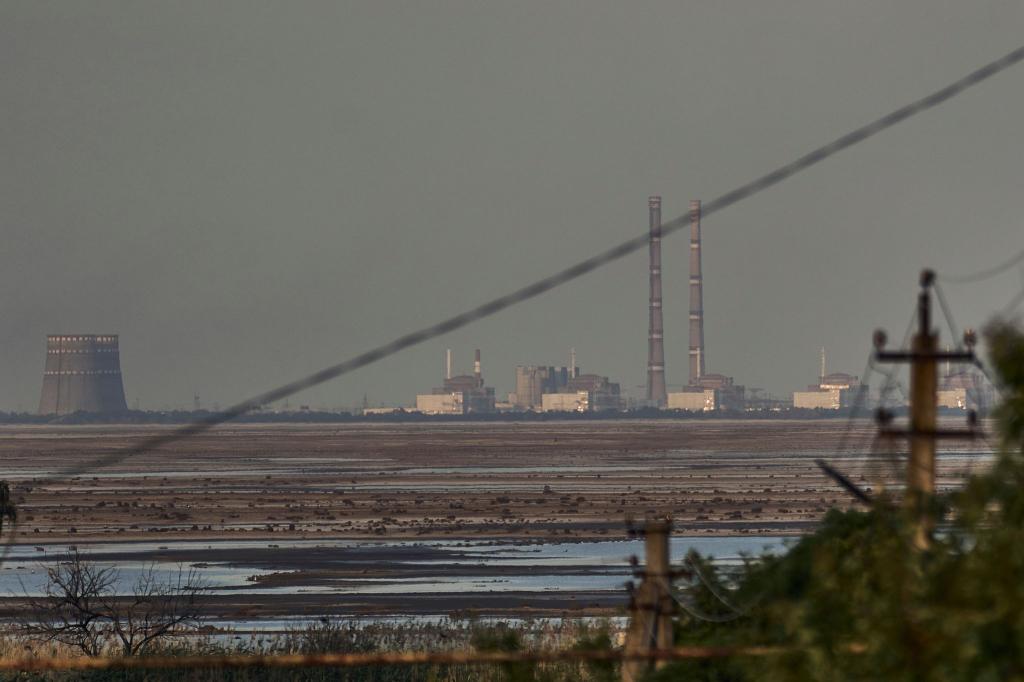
{"x": 603, "y": 566}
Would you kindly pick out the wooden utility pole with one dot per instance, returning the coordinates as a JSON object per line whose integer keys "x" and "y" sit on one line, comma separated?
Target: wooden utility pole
{"x": 923, "y": 357}
{"x": 924, "y": 408}
{"x": 651, "y": 605}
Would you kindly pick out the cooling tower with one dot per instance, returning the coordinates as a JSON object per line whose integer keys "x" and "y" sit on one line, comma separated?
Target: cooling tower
{"x": 83, "y": 374}
{"x": 656, "y": 389}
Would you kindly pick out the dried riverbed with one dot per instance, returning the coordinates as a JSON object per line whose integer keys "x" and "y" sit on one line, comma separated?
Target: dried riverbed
{"x": 419, "y": 518}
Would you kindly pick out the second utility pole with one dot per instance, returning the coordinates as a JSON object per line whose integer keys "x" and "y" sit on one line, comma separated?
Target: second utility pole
{"x": 923, "y": 358}
{"x": 924, "y": 407}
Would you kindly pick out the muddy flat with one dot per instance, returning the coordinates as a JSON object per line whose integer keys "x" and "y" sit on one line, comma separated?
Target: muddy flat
{"x": 421, "y": 481}
{"x": 241, "y": 496}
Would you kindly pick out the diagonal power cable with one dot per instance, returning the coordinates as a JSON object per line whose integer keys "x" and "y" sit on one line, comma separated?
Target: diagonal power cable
{"x": 987, "y": 273}
{"x": 1012, "y": 305}
{"x": 569, "y": 274}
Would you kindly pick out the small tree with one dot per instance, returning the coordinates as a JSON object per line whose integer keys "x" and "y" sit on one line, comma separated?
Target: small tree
{"x": 80, "y": 608}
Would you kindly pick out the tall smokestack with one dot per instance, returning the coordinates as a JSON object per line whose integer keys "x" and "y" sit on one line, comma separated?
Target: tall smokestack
{"x": 477, "y": 369}
{"x": 572, "y": 363}
{"x": 696, "y": 297}
{"x": 449, "y": 360}
{"x": 656, "y": 391}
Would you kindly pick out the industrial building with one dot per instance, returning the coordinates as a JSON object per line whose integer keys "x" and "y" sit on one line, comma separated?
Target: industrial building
{"x": 709, "y": 392}
{"x": 440, "y": 403}
{"x": 584, "y": 393}
{"x": 964, "y": 390}
{"x": 564, "y": 389}
{"x": 462, "y": 394}
{"x": 578, "y": 401}
{"x": 833, "y": 391}
{"x": 602, "y": 394}
{"x": 82, "y": 374}
{"x": 533, "y": 382}
{"x": 693, "y": 400}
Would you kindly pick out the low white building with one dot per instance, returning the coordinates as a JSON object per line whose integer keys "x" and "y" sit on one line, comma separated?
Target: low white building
{"x": 381, "y": 410}
{"x": 694, "y": 401}
{"x": 965, "y": 390}
{"x": 566, "y": 402}
{"x": 441, "y": 403}
{"x": 818, "y": 399}
{"x": 955, "y": 398}
{"x": 834, "y": 392}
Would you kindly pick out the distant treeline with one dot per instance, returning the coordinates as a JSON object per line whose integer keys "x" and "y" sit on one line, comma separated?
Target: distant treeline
{"x": 317, "y": 417}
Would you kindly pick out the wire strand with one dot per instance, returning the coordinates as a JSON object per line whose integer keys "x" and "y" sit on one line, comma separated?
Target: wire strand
{"x": 717, "y": 594}
{"x": 1012, "y": 305}
{"x": 982, "y": 275}
{"x": 947, "y": 312}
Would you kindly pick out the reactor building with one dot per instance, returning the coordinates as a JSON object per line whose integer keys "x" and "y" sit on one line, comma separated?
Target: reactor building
{"x": 533, "y": 382}
{"x": 462, "y": 394}
{"x": 584, "y": 393}
{"x": 82, "y": 374}
{"x": 563, "y": 389}
{"x": 964, "y": 390}
{"x": 834, "y": 391}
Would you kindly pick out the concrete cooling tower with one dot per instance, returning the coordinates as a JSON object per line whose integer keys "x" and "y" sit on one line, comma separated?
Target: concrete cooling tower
{"x": 83, "y": 374}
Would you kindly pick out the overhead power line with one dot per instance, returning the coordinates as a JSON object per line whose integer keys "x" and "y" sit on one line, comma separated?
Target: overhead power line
{"x": 1012, "y": 305}
{"x": 987, "y": 273}
{"x": 569, "y": 274}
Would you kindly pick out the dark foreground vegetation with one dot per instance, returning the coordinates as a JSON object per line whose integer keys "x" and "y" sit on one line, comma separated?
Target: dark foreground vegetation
{"x": 334, "y": 637}
{"x": 854, "y": 602}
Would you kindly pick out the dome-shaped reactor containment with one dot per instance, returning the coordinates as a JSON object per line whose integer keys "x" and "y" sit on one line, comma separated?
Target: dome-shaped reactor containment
{"x": 83, "y": 374}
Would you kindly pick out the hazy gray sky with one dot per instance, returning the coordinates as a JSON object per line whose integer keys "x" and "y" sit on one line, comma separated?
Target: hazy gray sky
{"x": 246, "y": 191}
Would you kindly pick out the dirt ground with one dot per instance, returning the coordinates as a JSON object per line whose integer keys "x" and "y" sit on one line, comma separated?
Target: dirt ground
{"x": 557, "y": 481}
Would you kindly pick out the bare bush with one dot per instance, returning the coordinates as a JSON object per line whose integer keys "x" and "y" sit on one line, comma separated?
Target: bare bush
{"x": 81, "y": 609}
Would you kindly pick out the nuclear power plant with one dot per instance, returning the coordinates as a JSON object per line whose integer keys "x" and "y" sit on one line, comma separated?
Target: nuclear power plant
{"x": 546, "y": 388}
{"x": 82, "y": 374}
